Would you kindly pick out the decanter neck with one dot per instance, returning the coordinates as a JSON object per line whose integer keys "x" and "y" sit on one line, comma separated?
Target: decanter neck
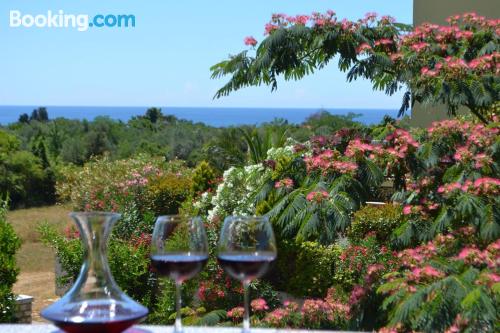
{"x": 95, "y": 229}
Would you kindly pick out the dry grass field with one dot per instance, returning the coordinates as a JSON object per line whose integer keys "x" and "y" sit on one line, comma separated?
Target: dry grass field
{"x": 35, "y": 259}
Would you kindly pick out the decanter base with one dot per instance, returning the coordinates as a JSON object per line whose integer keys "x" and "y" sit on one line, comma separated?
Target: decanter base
{"x": 96, "y": 327}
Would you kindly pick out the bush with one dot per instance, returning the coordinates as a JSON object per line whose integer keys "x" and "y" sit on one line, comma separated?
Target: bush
{"x": 203, "y": 177}
{"x": 166, "y": 194}
{"x": 305, "y": 269}
{"x": 9, "y": 244}
{"x": 128, "y": 260}
{"x": 22, "y": 176}
{"x": 379, "y": 220}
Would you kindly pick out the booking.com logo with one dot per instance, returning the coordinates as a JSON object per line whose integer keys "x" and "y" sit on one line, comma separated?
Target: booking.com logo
{"x": 59, "y": 19}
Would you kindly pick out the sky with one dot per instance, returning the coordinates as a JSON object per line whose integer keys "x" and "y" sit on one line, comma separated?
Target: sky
{"x": 165, "y": 59}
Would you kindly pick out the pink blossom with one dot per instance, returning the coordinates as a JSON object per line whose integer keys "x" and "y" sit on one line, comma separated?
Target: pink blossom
{"x": 274, "y": 318}
{"x": 250, "y": 41}
{"x": 236, "y": 313}
{"x": 317, "y": 196}
{"x": 384, "y": 41}
{"x": 407, "y": 210}
{"x": 269, "y": 28}
{"x": 358, "y": 292}
{"x": 417, "y": 47}
{"x": 259, "y": 304}
{"x": 344, "y": 167}
{"x": 301, "y": 19}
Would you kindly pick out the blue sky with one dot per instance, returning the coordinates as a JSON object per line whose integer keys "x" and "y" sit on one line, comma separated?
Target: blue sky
{"x": 165, "y": 59}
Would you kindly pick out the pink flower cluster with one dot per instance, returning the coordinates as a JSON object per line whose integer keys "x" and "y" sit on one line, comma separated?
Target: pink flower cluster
{"x": 481, "y": 186}
{"x": 416, "y": 256}
{"x": 358, "y": 148}
{"x": 236, "y": 313}
{"x": 364, "y": 47}
{"x": 317, "y": 196}
{"x": 328, "y": 161}
{"x": 284, "y": 183}
{"x": 400, "y": 143}
{"x": 259, "y": 305}
{"x": 313, "y": 312}
{"x": 316, "y": 19}
{"x": 357, "y": 294}
{"x": 250, "y": 41}
{"x": 489, "y": 257}
{"x": 427, "y": 272}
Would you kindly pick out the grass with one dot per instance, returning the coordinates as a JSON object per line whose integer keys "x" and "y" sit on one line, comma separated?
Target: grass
{"x": 33, "y": 255}
{"x": 35, "y": 259}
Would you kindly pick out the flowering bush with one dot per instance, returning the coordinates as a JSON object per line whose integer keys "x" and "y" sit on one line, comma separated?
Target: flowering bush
{"x": 448, "y": 284}
{"x": 297, "y": 185}
{"x": 456, "y": 64}
{"x": 140, "y": 188}
{"x": 449, "y": 188}
{"x": 327, "y": 313}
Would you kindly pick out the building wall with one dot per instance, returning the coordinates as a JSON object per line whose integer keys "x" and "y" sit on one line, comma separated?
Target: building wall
{"x": 436, "y": 11}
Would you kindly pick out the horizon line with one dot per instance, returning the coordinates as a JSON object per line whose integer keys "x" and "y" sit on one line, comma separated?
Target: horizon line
{"x": 198, "y": 107}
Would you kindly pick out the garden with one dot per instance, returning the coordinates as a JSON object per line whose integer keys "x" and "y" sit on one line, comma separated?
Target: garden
{"x": 425, "y": 258}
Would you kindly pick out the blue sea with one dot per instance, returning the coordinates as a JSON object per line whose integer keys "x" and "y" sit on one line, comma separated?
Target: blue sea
{"x": 213, "y": 116}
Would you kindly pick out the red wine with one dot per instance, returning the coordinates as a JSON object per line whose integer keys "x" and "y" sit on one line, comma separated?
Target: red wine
{"x": 117, "y": 326}
{"x": 246, "y": 266}
{"x": 179, "y": 267}
{"x": 98, "y": 317}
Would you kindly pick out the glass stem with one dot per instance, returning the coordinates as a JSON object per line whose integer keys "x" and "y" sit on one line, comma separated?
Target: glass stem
{"x": 246, "y": 315}
{"x": 178, "y": 293}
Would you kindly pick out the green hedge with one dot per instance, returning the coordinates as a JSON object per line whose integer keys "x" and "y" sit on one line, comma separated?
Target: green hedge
{"x": 381, "y": 220}
{"x": 9, "y": 244}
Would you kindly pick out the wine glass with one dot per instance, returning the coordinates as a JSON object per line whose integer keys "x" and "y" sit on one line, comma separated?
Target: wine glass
{"x": 246, "y": 249}
{"x": 179, "y": 251}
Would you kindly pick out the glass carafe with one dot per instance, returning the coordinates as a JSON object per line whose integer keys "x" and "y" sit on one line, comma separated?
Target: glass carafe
{"x": 95, "y": 303}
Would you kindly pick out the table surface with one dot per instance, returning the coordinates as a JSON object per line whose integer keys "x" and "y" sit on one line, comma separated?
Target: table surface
{"x": 41, "y": 328}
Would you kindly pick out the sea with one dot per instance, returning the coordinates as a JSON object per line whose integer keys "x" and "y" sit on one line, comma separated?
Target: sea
{"x": 213, "y": 116}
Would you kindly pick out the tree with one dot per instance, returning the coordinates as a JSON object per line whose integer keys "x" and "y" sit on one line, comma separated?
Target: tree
{"x": 21, "y": 174}
{"x": 153, "y": 114}
{"x": 40, "y": 115}
{"x": 24, "y": 119}
{"x": 457, "y": 65}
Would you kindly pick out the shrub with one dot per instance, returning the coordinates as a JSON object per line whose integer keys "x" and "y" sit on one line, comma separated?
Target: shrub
{"x": 449, "y": 284}
{"x": 21, "y": 174}
{"x": 167, "y": 193}
{"x": 9, "y": 244}
{"x": 203, "y": 177}
{"x": 128, "y": 260}
{"x": 379, "y": 220}
{"x": 304, "y": 269}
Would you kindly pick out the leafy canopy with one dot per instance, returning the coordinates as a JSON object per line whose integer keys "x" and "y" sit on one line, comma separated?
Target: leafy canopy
{"x": 456, "y": 65}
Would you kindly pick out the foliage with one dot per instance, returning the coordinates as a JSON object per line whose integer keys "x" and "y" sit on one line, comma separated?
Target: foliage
{"x": 9, "y": 244}
{"x": 22, "y": 174}
{"x": 60, "y": 144}
{"x": 456, "y": 183}
{"x": 456, "y": 65}
{"x": 166, "y": 194}
{"x": 451, "y": 167}
{"x": 304, "y": 269}
{"x": 378, "y": 220}
{"x": 128, "y": 260}
{"x": 447, "y": 284}
{"x": 203, "y": 177}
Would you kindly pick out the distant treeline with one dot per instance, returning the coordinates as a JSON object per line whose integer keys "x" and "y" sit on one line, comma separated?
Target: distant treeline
{"x": 32, "y": 149}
